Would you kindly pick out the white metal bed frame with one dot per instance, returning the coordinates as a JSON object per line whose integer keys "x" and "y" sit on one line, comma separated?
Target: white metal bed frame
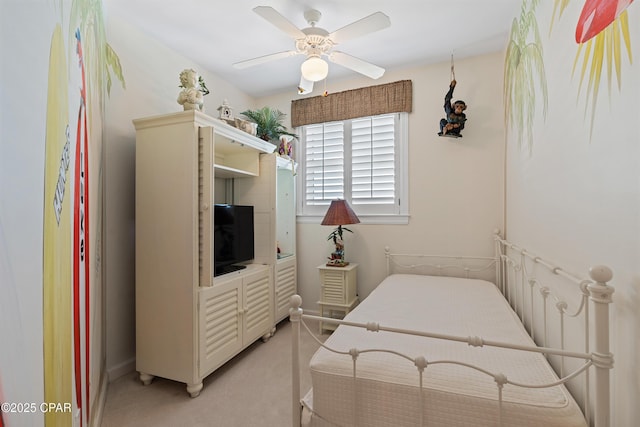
{"x": 514, "y": 271}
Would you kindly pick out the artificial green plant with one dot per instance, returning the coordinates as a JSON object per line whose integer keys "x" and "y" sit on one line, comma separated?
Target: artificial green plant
{"x": 269, "y": 121}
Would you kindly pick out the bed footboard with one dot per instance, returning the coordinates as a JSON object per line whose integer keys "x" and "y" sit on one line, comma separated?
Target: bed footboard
{"x": 295, "y": 316}
{"x": 514, "y": 276}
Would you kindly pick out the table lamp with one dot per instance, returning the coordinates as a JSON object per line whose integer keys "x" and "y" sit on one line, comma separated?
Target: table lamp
{"x": 339, "y": 213}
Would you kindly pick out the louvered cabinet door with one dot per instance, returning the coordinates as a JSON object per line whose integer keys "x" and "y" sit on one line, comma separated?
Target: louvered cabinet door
{"x": 338, "y": 295}
{"x": 333, "y": 289}
{"x": 256, "y": 309}
{"x": 338, "y": 284}
{"x": 220, "y": 312}
{"x": 286, "y": 286}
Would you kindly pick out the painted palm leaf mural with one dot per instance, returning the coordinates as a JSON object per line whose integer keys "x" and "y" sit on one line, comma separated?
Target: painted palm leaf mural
{"x": 524, "y": 75}
{"x": 558, "y": 7}
{"x": 602, "y": 28}
{"x": 103, "y": 61}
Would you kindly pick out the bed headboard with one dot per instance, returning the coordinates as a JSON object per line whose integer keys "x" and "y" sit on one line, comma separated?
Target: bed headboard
{"x": 474, "y": 267}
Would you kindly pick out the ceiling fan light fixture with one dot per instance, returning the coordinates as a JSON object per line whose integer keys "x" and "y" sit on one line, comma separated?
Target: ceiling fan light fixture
{"x": 314, "y": 69}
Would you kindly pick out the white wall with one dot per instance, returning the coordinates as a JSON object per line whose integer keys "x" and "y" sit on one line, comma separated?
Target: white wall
{"x": 22, "y": 156}
{"x": 455, "y": 186}
{"x": 576, "y": 198}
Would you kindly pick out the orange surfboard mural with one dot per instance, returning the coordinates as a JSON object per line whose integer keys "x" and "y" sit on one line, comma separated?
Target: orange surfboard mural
{"x": 81, "y": 271}
{"x": 597, "y": 15}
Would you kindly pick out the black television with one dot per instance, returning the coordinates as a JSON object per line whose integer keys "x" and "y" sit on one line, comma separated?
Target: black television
{"x": 233, "y": 237}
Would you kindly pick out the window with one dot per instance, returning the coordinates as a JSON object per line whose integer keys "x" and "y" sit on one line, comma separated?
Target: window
{"x": 361, "y": 160}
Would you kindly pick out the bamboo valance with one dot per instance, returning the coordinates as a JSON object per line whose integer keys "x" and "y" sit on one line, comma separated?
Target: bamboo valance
{"x": 367, "y": 101}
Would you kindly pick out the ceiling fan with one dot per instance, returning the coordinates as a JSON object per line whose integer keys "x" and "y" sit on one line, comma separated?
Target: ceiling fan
{"x": 315, "y": 43}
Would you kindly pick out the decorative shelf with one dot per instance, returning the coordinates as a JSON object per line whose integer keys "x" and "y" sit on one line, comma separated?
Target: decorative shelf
{"x": 222, "y": 171}
{"x": 236, "y": 152}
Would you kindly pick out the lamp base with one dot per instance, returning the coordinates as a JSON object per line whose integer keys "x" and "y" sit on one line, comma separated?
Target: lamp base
{"x": 337, "y": 263}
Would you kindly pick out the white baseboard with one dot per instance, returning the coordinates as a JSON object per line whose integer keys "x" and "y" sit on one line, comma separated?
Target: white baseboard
{"x": 124, "y": 368}
{"x": 99, "y": 402}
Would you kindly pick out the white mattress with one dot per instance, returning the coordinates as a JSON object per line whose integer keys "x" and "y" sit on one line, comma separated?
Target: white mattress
{"x": 455, "y": 396}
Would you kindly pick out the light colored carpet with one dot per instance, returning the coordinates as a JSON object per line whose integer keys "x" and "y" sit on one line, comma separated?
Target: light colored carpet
{"x": 251, "y": 390}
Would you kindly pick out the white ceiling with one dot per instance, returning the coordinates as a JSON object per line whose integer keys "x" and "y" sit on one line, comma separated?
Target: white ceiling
{"x": 216, "y": 33}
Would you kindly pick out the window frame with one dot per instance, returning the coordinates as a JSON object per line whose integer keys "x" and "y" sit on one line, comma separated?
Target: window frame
{"x": 367, "y": 214}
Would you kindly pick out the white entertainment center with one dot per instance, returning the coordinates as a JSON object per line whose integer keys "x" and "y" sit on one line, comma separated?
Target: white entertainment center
{"x": 188, "y": 322}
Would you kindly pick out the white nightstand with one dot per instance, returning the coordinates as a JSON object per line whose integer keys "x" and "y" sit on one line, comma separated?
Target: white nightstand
{"x": 338, "y": 293}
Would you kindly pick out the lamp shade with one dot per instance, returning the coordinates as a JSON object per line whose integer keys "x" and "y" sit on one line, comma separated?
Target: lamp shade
{"x": 340, "y": 213}
{"x": 314, "y": 69}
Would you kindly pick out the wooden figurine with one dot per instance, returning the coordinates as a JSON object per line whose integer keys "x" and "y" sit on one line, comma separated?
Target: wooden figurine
{"x": 455, "y": 118}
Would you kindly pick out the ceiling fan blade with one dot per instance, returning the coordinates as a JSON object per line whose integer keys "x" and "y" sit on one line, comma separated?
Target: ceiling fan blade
{"x": 275, "y": 18}
{"x": 262, "y": 59}
{"x": 369, "y": 24}
{"x": 305, "y": 86}
{"x": 356, "y": 64}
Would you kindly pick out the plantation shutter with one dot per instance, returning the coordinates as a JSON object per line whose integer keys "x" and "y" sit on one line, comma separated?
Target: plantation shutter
{"x": 324, "y": 157}
{"x": 373, "y": 160}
